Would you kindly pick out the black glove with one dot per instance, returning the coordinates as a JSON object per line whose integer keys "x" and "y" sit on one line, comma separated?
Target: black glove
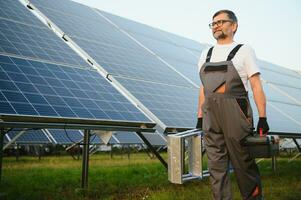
{"x": 262, "y": 125}
{"x": 199, "y": 125}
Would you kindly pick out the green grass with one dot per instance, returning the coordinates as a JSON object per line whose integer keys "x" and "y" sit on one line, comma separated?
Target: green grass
{"x": 120, "y": 178}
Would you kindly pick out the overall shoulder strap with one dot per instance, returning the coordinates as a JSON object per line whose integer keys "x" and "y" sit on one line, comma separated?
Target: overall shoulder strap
{"x": 233, "y": 52}
{"x": 209, "y": 54}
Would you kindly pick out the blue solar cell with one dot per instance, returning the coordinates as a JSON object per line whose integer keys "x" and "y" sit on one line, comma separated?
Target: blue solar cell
{"x": 35, "y": 98}
{"x": 14, "y": 96}
{"x": 18, "y": 77}
{"x": 29, "y": 70}
{"x": 3, "y": 76}
{"x": 23, "y": 109}
{"x": 9, "y": 67}
{"x": 5, "y": 107}
{"x": 7, "y": 85}
{"x": 72, "y": 102}
{"x": 30, "y": 88}
{"x": 45, "y": 110}
{"x": 45, "y": 90}
{"x": 82, "y": 112}
{"x": 2, "y": 98}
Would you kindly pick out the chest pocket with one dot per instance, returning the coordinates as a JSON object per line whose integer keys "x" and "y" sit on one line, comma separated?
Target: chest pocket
{"x": 214, "y": 76}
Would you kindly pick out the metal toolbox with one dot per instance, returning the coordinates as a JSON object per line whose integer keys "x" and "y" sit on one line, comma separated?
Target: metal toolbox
{"x": 265, "y": 146}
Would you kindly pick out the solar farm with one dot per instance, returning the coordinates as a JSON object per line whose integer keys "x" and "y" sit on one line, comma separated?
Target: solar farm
{"x": 80, "y": 78}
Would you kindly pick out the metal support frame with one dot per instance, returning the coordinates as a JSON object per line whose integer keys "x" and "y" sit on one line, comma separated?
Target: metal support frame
{"x": 2, "y": 133}
{"x": 153, "y": 150}
{"x": 299, "y": 148}
{"x": 297, "y": 144}
{"x": 87, "y": 125}
{"x": 274, "y": 163}
{"x": 85, "y": 164}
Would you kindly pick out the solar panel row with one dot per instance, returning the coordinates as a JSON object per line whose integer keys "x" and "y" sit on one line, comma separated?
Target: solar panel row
{"x": 163, "y": 97}
{"x": 68, "y": 137}
{"x": 41, "y": 76}
{"x": 41, "y": 89}
{"x": 151, "y": 64}
{"x": 129, "y": 61}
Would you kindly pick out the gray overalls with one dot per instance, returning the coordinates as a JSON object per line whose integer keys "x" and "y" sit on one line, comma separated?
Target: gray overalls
{"x": 227, "y": 120}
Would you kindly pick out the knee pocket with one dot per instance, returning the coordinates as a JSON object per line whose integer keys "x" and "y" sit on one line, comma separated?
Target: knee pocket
{"x": 219, "y": 165}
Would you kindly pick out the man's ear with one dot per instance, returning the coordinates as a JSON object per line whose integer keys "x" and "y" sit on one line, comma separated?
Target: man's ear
{"x": 235, "y": 27}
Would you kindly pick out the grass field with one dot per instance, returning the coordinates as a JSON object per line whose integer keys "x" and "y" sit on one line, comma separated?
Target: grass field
{"x": 121, "y": 178}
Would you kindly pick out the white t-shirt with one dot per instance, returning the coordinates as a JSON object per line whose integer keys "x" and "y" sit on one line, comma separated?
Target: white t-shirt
{"x": 244, "y": 61}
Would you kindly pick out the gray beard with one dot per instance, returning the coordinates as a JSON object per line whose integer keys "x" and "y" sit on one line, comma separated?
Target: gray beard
{"x": 221, "y": 36}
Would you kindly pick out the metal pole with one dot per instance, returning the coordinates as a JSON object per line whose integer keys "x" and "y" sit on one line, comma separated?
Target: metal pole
{"x": 183, "y": 154}
{"x": 297, "y": 144}
{"x": 1, "y": 150}
{"x": 85, "y": 165}
{"x": 274, "y": 163}
{"x": 17, "y": 153}
{"x": 152, "y": 149}
{"x": 111, "y": 151}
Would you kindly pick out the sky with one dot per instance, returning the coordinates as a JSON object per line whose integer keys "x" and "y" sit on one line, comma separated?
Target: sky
{"x": 271, "y": 27}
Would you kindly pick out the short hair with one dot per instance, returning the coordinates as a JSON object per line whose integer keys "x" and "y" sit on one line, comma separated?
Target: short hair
{"x": 230, "y": 14}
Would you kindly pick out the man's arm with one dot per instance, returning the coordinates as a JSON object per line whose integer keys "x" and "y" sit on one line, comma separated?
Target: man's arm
{"x": 201, "y": 102}
{"x": 258, "y": 94}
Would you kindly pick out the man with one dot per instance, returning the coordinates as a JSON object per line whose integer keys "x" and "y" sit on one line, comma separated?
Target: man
{"x": 224, "y": 112}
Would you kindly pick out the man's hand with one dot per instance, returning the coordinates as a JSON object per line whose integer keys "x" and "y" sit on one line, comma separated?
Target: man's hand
{"x": 262, "y": 126}
{"x": 199, "y": 125}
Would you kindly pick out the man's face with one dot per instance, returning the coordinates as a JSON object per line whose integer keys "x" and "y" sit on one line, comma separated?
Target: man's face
{"x": 225, "y": 29}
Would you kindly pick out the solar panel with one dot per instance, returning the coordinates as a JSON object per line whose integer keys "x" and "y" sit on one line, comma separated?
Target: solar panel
{"x": 280, "y": 118}
{"x": 60, "y": 136}
{"x": 29, "y": 137}
{"x": 276, "y": 68}
{"x": 180, "y": 58}
{"x": 13, "y": 10}
{"x": 154, "y": 84}
{"x": 41, "y": 89}
{"x": 155, "y": 139}
{"x": 181, "y": 53}
{"x": 175, "y": 106}
{"x": 28, "y": 37}
{"x": 113, "y": 50}
{"x": 151, "y": 32}
{"x": 273, "y": 95}
{"x": 133, "y": 61}
{"x": 126, "y": 138}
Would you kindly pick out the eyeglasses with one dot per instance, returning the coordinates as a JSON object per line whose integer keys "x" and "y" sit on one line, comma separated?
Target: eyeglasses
{"x": 219, "y": 23}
